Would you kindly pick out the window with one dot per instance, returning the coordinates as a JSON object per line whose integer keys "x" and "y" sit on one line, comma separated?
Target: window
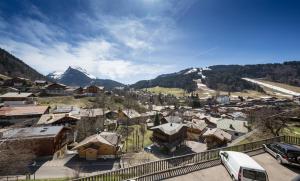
{"x": 254, "y": 175}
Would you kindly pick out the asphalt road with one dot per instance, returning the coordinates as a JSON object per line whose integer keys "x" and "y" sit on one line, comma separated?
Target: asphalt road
{"x": 276, "y": 172}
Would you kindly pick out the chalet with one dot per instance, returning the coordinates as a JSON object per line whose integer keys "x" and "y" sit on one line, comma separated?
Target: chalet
{"x": 234, "y": 127}
{"x": 28, "y": 115}
{"x": 40, "y": 83}
{"x": 78, "y": 90}
{"x": 103, "y": 145}
{"x": 216, "y": 137}
{"x": 66, "y": 109}
{"x": 43, "y": 141}
{"x": 18, "y": 82}
{"x": 56, "y": 89}
{"x": 93, "y": 90}
{"x": 17, "y": 98}
{"x": 195, "y": 129}
{"x": 128, "y": 116}
{"x": 58, "y": 119}
{"x": 169, "y": 136}
{"x": 171, "y": 119}
{"x": 93, "y": 117}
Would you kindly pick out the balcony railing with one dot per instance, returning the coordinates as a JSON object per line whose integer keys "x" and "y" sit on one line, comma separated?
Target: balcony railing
{"x": 157, "y": 170}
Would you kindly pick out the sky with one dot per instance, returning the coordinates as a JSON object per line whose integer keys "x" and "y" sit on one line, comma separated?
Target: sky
{"x": 131, "y": 40}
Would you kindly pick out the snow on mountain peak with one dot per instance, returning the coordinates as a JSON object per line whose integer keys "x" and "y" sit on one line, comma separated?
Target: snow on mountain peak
{"x": 84, "y": 71}
{"x": 56, "y": 75}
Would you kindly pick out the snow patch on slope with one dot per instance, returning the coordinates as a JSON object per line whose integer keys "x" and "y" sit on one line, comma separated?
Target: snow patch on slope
{"x": 191, "y": 71}
{"x": 280, "y": 89}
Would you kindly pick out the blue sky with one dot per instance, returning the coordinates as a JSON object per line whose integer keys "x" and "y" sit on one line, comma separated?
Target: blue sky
{"x": 130, "y": 40}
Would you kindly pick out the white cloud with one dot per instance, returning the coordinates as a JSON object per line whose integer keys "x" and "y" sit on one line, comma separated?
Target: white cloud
{"x": 112, "y": 54}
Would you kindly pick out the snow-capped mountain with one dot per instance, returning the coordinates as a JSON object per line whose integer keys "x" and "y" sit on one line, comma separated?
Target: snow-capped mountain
{"x": 84, "y": 71}
{"x": 55, "y": 75}
{"x": 183, "y": 79}
{"x": 77, "y": 76}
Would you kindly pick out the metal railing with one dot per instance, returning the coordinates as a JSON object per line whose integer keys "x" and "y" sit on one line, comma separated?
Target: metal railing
{"x": 195, "y": 161}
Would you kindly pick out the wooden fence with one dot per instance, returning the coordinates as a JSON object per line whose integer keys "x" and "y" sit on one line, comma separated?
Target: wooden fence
{"x": 156, "y": 170}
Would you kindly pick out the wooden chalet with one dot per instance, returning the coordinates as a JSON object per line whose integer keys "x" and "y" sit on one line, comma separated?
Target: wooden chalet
{"x": 168, "y": 137}
{"x": 103, "y": 145}
{"x": 27, "y": 115}
{"x": 216, "y": 137}
{"x": 17, "y": 98}
{"x": 17, "y": 82}
{"x": 58, "y": 119}
{"x": 128, "y": 116}
{"x": 56, "y": 89}
{"x": 93, "y": 90}
{"x": 195, "y": 129}
{"x": 40, "y": 83}
{"x": 42, "y": 141}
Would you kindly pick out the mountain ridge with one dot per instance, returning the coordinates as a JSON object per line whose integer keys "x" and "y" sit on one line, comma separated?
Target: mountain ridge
{"x": 226, "y": 77}
{"x": 77, "y": 76}
{"x": 12, "y": 66}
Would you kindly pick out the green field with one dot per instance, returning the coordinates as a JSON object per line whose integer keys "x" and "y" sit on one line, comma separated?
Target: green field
{"x": 164, "y": 90}
{"x": 131, "y": 144}
{"x": 64, "y": 100}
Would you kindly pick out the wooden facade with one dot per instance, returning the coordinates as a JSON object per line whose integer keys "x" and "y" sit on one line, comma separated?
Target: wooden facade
{"x": 56, "y": 89}
{"x": 103, "y": 145}
{"x": 169, "y": 141}
{"x": 41, "y": 145}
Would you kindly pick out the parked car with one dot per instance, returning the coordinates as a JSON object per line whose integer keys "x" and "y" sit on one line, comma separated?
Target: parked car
{"x": 284, "y": 153}
{"x": 242, "y": 167}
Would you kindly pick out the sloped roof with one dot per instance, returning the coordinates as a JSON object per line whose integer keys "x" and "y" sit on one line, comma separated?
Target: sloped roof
{"x": 218, "y": 133}
{"x": 32, "y": 132}
{"x": 107, "y": 138}
{"x": 169, "y": 128}
{"x": 131, "y": 113}
{"x": 197, "y": 124}
{"x": 52, "y": 118}
{"x": 91, "y": 112}
{"x": 173, "y": 119}
{"x": 232, "y": 125}
{"x": 16, "y": 95}
{"x": 23, "y": 110}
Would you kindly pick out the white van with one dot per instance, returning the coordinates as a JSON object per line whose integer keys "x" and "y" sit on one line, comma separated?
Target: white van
{"x": 242, "y": 167}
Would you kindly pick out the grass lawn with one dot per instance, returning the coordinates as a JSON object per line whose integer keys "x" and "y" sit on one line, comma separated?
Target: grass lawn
{"x": 164, "y": 90}
{"x": 64, "y": 100}
{"x": 293, "y": 130}
{"x": 255, "y": 137}
{"x": 134, "y": 130}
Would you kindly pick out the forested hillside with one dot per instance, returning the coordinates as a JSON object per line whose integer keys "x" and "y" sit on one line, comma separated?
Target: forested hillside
{"x": 228, "y": 77}
{"x": 14, "y": 67}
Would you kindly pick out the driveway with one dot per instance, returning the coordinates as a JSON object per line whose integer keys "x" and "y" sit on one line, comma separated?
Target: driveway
{"x": 73, "y": 165}
{"x": 276, "y": 172}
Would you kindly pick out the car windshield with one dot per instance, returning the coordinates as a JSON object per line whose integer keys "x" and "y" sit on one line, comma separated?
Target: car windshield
{"x": 293, "y": 153}
{"x": 254, "y": 175}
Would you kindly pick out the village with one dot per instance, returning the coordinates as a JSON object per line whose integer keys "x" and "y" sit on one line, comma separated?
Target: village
{"x": 63, "y": 139}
